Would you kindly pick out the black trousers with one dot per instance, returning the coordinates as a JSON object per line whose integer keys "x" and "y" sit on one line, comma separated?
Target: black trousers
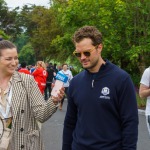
{"x": 66, "y": 90}
{"x": 47, "y": 92}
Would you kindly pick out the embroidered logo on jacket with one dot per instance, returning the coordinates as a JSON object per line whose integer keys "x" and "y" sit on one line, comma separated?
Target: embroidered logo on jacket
{"x": 105, "y": 92}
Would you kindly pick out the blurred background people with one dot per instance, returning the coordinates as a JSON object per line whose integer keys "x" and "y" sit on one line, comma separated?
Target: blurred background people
{"x": 40, "y": 75}
{"x": 55, "y": 68}
{"x": 23, "y": 68}
{"x": 33, "y": 67}
{"x": 68, "y": 73}
{"x": 49, "y": 80}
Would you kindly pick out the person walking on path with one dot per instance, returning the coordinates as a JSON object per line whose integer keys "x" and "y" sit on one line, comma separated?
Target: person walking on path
{"x": 102, "y": 110}
{"x": 21, "y": 104}
{"x": 144, "y": 92}
{"x": 40, "y": 75}
{"x": 50, "y": 77}
{"x": 68, "y": 73}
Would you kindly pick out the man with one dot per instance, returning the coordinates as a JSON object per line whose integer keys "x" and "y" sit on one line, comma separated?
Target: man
{"x": 144, "y": 92}
{"x": 23, "y": 68}
{"x": 102, "y": 110}
{"x": 49, "y": 80}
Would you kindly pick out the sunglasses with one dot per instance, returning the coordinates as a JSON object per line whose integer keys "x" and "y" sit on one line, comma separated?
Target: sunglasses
{"x": 86, "y": 53}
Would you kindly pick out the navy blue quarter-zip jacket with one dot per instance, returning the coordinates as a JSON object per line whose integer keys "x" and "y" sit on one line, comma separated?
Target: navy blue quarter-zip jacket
{"x": 102, "y": 111}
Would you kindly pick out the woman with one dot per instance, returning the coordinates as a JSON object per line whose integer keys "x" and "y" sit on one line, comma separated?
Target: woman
{"x": 21, "y": 104}
{"x": 40, "y": 75}
{"x": 68, "y": 73}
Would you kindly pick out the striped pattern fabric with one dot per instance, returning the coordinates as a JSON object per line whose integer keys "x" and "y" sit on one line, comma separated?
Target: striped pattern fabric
{"x": 26, "y": 109}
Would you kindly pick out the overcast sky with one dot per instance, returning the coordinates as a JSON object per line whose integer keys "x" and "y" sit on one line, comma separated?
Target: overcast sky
{"x": 20, "y": 3}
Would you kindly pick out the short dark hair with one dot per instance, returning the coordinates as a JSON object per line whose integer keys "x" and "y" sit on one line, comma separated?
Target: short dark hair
{"x": 64, "y": 64}
{"x": 88, "y": 32}
{"x": 23, "y": 65}
{"x": 4, "y": 44}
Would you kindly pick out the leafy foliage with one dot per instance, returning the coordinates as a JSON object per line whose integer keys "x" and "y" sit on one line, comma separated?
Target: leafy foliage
{"x": 3, "y": 35}
{"x": 9, "y": 22}
{"x": 125, "y": 25}
{"x": 27, "y": 54}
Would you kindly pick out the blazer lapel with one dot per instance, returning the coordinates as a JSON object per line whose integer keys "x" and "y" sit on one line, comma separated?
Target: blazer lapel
{"x": 16, "y": 95}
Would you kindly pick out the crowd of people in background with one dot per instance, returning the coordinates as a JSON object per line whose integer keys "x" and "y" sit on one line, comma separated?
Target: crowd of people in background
{"x": 44, "y": 75}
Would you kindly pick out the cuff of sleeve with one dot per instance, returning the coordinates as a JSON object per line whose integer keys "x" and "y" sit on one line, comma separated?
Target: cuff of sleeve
{"x": 56, "y": 104}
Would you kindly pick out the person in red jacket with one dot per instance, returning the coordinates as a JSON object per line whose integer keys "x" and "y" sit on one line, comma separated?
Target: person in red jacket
{"x": 40, "y": 75}
{"x": 23, "y": 68}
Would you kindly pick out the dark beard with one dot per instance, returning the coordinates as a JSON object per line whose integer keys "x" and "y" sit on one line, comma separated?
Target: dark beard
{"x": 92, "y": 66}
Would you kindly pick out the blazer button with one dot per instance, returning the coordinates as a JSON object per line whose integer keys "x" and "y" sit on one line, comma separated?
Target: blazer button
{"x": 22, "y": 146}
{"x": 22, "y": 111}
{"x": 21, "y": 129}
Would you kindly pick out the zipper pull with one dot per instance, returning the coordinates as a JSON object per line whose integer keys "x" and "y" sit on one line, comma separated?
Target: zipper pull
{"x": 92, "y": 83}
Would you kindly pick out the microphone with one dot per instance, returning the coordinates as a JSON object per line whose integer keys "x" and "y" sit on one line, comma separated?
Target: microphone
{"x": 60, "y": 80}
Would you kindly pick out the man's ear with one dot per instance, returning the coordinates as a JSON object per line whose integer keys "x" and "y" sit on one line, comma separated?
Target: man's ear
{"x": 99, "y": 48}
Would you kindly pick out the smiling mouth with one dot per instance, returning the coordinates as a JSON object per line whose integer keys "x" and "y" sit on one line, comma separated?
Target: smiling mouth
{"x": 12, "y": 68}
{"x": 85, "y": 62}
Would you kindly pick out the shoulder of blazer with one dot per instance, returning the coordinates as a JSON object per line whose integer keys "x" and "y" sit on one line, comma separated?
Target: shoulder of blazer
{"x": 26, "y": 79}
{"x": 18, "y": 76}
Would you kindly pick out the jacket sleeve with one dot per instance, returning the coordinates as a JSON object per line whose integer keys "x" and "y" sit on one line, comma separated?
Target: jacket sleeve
{"x": 42, "y": 109}
{"x": 129, "y": 115}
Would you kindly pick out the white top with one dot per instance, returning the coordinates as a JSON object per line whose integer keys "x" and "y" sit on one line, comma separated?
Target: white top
{"x": 146, "y": 81}
{"x": 68, "y": 73}
{"x": 6, "y": 115}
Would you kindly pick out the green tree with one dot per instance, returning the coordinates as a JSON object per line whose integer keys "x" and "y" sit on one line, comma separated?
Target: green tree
{"x": 123, "y": 23}
{"x": 3, "y": 35}
{"x": 21, "y": 40}
{"x": 8, "y": 20}
{"x": 139, "y": 33}
{"x": 27, "y": 54}
{"x": 41, "y": 28}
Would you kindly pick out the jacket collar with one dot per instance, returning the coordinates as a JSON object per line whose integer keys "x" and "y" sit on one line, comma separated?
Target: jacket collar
{"x": 17, "y": 91}
{"x": 16, "y": 77}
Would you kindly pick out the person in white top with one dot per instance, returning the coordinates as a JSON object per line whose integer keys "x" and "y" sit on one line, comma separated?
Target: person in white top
{"x": 144, "y": 92}
{"x": 68, "y": 73}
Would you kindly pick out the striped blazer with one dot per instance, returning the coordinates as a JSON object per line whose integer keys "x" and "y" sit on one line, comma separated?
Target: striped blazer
{"x": 28, "y": 105}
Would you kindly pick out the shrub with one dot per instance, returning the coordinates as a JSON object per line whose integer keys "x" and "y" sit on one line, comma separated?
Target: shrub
{"x": 140, "y": 102}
